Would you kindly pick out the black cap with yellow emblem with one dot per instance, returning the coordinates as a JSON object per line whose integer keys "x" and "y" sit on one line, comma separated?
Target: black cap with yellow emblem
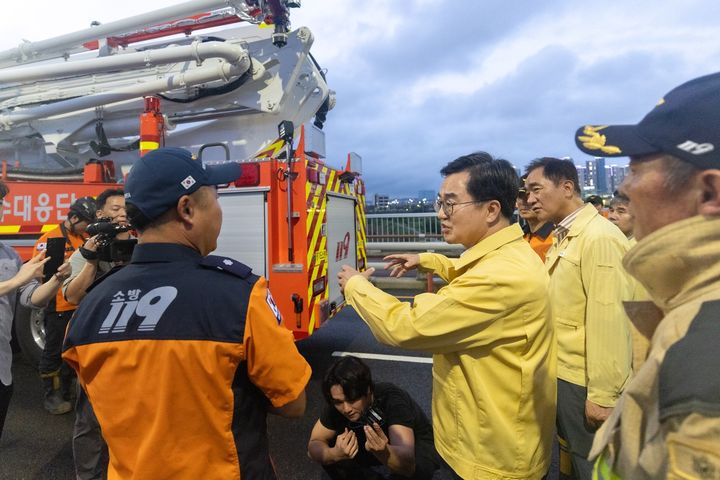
{"x": 685, "y": 124}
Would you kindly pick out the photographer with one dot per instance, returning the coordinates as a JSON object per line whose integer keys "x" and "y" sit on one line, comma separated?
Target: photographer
{"x": 57, "y": 376}
{"x": 89, "y": 448}
{"x": 368, "y": 430}
{"x": 86, "y": 265}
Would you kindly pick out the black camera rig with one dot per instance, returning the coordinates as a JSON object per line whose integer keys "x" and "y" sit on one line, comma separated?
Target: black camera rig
{"x": 109, "y": 248}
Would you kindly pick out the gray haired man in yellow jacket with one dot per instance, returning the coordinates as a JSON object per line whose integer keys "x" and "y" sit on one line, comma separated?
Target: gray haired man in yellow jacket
{"x": 489, "y": 329}
{"x": 587, "y": 288}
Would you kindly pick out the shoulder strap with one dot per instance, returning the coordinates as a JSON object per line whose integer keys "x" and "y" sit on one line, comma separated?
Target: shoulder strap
{"x": 227, "y": 265}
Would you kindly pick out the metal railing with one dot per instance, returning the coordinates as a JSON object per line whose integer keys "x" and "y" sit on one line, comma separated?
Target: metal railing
{"x": 403, "y": 227}
{"x": 405, "y": 233}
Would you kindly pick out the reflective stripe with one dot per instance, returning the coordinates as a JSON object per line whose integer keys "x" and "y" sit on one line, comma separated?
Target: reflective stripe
{"x": 27, "y": 228}
{"x": 603, "y": 471}
{"x": 147, "y": 145}
{"x": 565, "y": 458}
{"x": 273, "y": 150}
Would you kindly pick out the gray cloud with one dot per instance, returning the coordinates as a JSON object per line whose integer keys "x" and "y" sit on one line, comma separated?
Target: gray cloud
{"x": 532, "y": 111}
{"x": 420, "y": 82}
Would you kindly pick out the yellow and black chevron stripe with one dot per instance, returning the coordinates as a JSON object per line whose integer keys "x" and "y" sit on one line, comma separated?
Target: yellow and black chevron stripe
{"x": 316, "y": 198}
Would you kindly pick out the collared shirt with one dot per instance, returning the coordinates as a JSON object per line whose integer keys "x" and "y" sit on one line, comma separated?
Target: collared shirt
{"x": 10, "y": 264}
{"x": 562, "y": 228}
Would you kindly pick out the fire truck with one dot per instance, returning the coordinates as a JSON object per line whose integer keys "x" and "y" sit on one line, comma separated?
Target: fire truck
{"x": 228, "y": 80}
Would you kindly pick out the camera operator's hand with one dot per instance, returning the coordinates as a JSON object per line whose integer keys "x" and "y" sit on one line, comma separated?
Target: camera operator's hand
{"x": 347, "y": 444}
{"x": 91, "y": 243}
{"x": 90, "y": 248}
{"x": 377, "y": 441}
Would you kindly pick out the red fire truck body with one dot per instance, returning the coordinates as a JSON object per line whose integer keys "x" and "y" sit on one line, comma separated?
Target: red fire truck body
{"x": 128, "y": 87}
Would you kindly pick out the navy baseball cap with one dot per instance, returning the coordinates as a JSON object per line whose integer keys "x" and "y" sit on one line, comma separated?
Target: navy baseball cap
{"x": 685, "y": 124}
{"x": 158, "y": 180}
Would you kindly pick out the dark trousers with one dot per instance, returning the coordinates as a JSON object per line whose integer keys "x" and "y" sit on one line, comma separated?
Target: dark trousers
{"x": 55, "y": 325}
{"x": 576, "y": 436}
{"x": 426, "y": 462}
{"x": 450, "y": 473}
{"x": 349, "y": 470}
{"x": 5, "y": 395}
{"x": 89, "y": 448}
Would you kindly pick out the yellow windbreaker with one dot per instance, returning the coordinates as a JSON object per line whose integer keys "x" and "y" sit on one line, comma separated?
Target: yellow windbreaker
{"x": 494, "y": 376}
{"x": 587, "y": 288}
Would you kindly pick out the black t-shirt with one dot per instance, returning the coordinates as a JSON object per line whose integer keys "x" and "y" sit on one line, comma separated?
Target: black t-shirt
{"x": 397, "y": 408}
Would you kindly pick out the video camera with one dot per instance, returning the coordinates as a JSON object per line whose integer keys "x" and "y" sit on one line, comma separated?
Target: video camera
{"x": 109, "y": 248}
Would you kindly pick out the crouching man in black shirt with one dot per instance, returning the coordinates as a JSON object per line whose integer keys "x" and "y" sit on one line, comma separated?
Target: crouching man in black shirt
{"x": 370, "y": 431}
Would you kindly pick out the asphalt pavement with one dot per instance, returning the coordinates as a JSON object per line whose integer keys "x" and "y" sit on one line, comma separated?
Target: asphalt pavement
{"x": 37, "y": 446}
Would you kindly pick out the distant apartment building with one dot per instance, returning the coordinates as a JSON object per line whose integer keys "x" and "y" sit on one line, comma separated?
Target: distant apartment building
{"x": 616, "y": 175}
{"x": 595, "y": 176}
{"x": 582, "y": 175}
{"x": 382, "y": 201}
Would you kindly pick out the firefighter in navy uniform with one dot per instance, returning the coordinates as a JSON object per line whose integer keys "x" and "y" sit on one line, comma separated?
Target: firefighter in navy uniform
{"x": 56, "y": 376}
{"x": 183, "y": 354}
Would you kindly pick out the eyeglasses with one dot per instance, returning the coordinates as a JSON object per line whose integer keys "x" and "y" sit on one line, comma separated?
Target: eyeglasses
{"x": 447, "y": 207}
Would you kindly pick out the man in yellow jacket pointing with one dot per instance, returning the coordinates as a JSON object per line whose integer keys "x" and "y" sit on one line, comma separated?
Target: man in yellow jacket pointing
{"x": 489, "y": 329}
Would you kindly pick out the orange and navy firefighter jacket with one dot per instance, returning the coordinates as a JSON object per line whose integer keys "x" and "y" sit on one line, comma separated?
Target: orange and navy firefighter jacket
{"x": 541, "y": 239}
{"x": 181, "y": 356}
{"x": 72, "y": 243}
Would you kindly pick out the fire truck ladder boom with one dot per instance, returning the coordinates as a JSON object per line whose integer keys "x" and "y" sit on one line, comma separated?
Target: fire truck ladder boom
{"x": 79, "y": 41}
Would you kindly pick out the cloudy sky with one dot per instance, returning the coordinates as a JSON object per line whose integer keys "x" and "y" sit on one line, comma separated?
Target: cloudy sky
{"x": 420, "y": 82}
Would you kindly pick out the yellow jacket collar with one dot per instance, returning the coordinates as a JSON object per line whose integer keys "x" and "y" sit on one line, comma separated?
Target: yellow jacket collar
{"x": 583, "y": 218}
{"x": 679, "y": 262}
{"x": 488, "y": 244}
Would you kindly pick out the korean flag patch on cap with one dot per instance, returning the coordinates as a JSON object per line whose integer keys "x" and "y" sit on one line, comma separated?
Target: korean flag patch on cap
{"x": 188, "y": 182}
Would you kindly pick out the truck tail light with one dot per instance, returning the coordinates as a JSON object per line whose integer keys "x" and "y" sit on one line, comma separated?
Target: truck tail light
{"x": 249, "y": 176}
